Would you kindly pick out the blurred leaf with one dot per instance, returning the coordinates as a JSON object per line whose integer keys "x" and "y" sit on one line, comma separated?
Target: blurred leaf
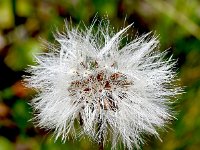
{"x": 6, "y": 15}
{"x": 21, "y": 54}
{"x": 24, "y": 8}
{"x": 106, "y": 7}
{"x": 22, "y": 114}
{"x": 4, "y": 111}
{"x": 27, "y": 144}
{"x": 7, "y": 93}
{"x": 5, "y": 144}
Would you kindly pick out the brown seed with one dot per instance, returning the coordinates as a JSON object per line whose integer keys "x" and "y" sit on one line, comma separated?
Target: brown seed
{"x": 115, "y": 76}
{"x": 107, "y": 85}
{"x": 100, "y": 76}
{"x": 87, "y": 89}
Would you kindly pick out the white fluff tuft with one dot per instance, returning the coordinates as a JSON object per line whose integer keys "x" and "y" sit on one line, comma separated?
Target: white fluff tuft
{"x": 115, "y": 92}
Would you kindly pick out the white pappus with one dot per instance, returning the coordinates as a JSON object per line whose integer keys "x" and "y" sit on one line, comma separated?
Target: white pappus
{"x": 115, "y": 92}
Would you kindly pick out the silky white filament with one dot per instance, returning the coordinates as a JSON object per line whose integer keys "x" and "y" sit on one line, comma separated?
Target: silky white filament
{"x": 116, "y": 92}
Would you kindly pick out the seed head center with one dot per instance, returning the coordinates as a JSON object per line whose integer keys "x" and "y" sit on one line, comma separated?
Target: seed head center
{"x": 98, "y": 87}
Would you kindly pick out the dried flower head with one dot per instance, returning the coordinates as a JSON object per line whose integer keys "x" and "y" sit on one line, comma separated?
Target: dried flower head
{"x": 115, "y": 92}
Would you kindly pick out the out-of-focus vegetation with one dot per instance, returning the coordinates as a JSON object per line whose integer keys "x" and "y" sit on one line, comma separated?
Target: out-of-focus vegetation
{"x": 24, "y": 22}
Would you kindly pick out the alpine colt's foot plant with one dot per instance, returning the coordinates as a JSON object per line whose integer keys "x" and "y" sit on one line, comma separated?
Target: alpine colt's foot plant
{"x": 115, "y": 92}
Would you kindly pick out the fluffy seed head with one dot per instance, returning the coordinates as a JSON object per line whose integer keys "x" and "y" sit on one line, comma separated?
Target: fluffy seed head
{"x": 115, "y": 92}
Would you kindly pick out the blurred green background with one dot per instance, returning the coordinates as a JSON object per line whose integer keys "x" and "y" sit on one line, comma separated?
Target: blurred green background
{"x": 24, "y": 22}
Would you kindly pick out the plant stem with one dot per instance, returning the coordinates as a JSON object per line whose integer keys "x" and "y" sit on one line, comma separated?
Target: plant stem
{"x": 101, "y": 136}
{"x": 101, "y": 145}
{"x": 81, "y": 120}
